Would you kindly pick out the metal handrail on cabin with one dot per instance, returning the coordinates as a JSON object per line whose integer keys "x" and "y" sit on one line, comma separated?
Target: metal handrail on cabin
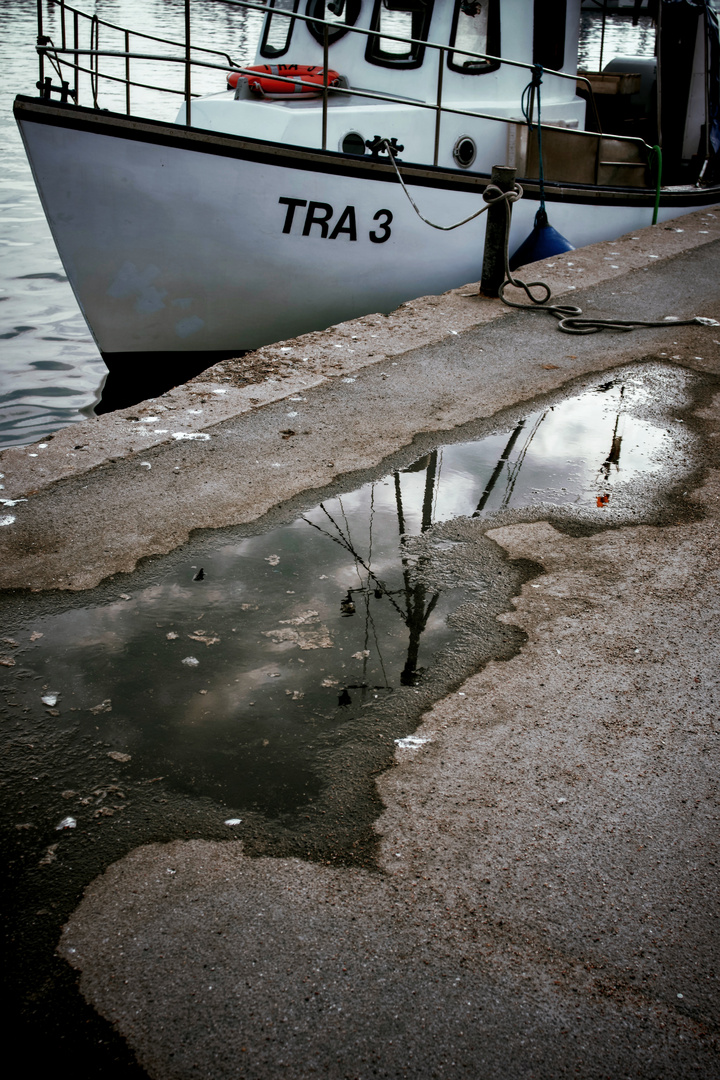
{"x": 46, "y": 48}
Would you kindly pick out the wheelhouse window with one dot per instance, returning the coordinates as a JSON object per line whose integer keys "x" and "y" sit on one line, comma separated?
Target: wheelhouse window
{"x": 278, "y": 29}
{"x": 341, "y": 13}
{"x": 549, "y": 33}
{"x": 399, "y": 19}
{"x": 475, "y": 28}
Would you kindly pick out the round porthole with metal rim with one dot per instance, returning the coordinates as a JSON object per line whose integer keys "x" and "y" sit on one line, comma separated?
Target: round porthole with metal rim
{"x": 353, "y": 143}
{"x": 464, "y": 151}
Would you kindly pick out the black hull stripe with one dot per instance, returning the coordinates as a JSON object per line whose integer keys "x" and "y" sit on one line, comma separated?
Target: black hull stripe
{"x": 162, "y": 133}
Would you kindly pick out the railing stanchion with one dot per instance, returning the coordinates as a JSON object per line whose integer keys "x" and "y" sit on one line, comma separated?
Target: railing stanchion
{"x": 94, "y": 58}
{"x": 76, "y": 58}
{"x": 188, "y": 105}
{"x": 62, "y": 24}
{"x": 127, "y": 72}
{"x": 41, "y": 43}
{"x": 438, "y": 109}
{"x": 325, "y": 86}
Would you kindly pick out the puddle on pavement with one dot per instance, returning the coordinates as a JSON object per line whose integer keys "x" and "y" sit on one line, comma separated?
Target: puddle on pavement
{"x": 237, "y": 672}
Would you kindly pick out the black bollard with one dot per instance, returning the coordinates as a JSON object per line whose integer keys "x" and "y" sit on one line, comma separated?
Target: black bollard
{"x": 493, "y": 271}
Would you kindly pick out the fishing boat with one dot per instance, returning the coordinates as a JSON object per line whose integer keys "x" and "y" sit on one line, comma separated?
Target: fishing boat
{"x": 325, "y": 180}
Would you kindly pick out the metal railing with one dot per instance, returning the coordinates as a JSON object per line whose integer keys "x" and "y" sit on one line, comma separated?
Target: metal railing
{"x": 67, "y": 56}
{"x": 64, "y": 56}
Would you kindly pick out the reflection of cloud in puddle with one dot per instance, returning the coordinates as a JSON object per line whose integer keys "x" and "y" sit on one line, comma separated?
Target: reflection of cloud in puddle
{"x": 90, "y": 629}
{"x": 435, "y": 622}
{"x": 288, "y": 636}
{"x": 555, "y": 456}
{"x": 575, "y": 430}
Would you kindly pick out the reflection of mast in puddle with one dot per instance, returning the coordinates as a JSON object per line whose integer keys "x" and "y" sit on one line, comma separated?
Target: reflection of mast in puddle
{"x": 416, "y": 592}
{"x": 613, "y": 458}
{"x": 514, "y": 470}
{"x": 416, "y": 613}
{"x": 348, "y": 607}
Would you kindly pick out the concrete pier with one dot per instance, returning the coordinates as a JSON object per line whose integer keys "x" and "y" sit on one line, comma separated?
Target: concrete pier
{"x": 544, "y": 902}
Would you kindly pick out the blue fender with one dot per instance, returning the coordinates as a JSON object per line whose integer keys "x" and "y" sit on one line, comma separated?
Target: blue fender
{"x": 542, "y": 243}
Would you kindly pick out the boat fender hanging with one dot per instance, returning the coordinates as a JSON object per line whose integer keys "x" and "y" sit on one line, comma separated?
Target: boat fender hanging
{"x": 263, "y": 80}
{"x": 543, "y": 242}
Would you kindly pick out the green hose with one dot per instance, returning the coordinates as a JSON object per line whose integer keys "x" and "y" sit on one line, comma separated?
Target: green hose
{"x": 657, "y": 154}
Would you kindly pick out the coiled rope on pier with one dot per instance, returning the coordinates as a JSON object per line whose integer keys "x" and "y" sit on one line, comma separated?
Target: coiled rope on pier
{"x": 568, "y": 315}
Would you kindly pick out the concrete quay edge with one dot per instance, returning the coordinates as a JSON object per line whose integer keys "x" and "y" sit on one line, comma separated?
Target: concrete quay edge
{"x": 545, "y": 897}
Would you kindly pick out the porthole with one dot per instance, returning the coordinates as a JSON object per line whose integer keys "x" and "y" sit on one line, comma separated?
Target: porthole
{"x": 465, "y": 151}
{"x": 353, "y": 143}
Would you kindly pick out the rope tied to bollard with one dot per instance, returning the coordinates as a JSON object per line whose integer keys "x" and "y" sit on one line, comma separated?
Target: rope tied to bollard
{"x": 568, "y": 315}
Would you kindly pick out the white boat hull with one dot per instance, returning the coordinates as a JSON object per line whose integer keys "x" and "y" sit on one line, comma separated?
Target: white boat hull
{"x": 184, "y": 241}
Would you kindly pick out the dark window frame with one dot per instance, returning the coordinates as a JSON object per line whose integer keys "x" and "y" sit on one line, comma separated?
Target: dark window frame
{"x": 547, "y": 44}
{"x": 268, "y": 51}
{"x": 352, "y": 12}
{"x": 421, "y": 24}
{"x": 493, "y": 41}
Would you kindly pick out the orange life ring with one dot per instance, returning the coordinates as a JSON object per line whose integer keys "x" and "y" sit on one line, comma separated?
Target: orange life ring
{"x": 266, "y": 84}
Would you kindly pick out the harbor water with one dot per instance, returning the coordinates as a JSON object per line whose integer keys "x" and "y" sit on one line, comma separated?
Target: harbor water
{"x": 51, "y": 373}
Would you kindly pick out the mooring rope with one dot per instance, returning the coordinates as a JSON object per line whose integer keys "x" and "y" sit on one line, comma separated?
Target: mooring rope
{"x": 568, "y": 315}
{"x": 492, "y": 194}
